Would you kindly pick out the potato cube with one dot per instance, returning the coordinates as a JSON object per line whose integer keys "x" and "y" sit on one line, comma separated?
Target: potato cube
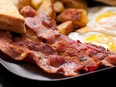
{"x": 58, "y": 6}
{"x": 47, "y": 8}
{"x": 36, "y": 3}
{"x": 78, "y": 16}
{"x": 66, "y": 27}
{"x": 22, "y": 3}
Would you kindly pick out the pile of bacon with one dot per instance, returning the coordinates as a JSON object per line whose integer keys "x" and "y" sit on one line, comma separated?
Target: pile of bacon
{"x": 54, "y": 52}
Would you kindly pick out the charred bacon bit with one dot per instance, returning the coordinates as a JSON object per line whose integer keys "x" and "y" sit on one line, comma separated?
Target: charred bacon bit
{"x": 83, "y": 59}
{"x": 29, "y": 58}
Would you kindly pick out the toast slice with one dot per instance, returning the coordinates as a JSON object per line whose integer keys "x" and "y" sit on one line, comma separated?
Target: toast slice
{"x": 10, "y": 18}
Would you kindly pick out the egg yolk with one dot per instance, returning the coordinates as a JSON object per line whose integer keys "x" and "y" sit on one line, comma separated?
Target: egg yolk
{"x": 105, "y": 15}
{"x": 102, "y": 40}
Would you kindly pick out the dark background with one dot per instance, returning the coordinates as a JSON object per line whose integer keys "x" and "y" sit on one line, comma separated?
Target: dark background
{"x": 106, "y": 77}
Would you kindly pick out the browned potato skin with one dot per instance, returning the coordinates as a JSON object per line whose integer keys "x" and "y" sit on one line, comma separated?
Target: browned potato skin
{"x": 47, "y": 8}
{"x": 58, "y": 6}
{"x": 36, "y": 3}
{"x": 66, "y": 27}
{"x": 78, "y": 16}
{"x": 22, "y": 3}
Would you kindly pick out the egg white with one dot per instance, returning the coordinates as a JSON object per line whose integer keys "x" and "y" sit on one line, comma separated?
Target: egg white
{"x": 106, "y": 25}
{"x": 74, "y": 36}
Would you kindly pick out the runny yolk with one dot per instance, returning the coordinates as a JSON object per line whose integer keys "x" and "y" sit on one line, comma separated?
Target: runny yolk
{"x": 102, "y": 40}
{"x": 105, "y": 15}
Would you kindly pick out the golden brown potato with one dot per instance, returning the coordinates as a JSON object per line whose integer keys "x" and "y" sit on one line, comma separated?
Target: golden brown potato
{"x": 22, "y": 3}
{"x": 83, "y": 30}
{"x": 66, "y": 27}
{"x": 58, "y": 6}
{"x": 78, "y": 16}
{"x": 47, "y": 8}
{"x": 80, "y": 4}
{"x": 36, "y": 3}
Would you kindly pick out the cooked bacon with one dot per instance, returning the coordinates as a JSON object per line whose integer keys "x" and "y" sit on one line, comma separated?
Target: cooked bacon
{"x": 28, "y": 11}
{"x": 57, "y": 64}
{"x": 41, "y": 31}
{"x": 110, "y": 60}
{"x": 5, "y": 36}
{"x": 40, "y": 53}
{"x": 67, "y": 47}
{"x": 15, "y": 52}
{"x": 35, "y": 46}
{"x": 6, "y": 46}
{"x": 54, "y": 52}
{"x": 48, "y": 59}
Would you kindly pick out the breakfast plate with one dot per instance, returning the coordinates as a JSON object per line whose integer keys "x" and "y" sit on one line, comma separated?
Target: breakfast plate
{"x": 53, "y": 51}
{"x": 32, "y": 72}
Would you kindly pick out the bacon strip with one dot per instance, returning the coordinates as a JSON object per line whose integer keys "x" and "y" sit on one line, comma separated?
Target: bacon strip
{"x": 67, "y": 47}
{"x": 55, "y": 53}
{"x": 48, "y": 59}
{"x": 6, "y": 46}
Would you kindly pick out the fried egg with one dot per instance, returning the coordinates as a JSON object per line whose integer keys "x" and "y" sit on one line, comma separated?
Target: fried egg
{"x": 103, "y": 21}
{"x": 96, "y": 38}
{"x": 100, "y": 39}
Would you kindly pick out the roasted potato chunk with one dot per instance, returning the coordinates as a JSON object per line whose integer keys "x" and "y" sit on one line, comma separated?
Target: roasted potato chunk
{"x": 36, "y": 3}
{"x": 58, "y": 6}
{"x": 47, "y": 8}
{"x": 22, "y": 3}
{"x": 66, "y": 27}
{"x": 78, "y": 16}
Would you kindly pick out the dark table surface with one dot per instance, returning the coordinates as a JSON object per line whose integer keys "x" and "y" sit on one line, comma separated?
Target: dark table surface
{"x": 8, "y": 79}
